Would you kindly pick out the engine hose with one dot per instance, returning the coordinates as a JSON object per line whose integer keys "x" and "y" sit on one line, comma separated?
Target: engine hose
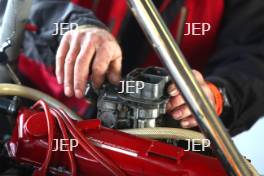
{"x": 65, "y": 136}
{"x": 153, "y": 133}
{"x": 50, "y": 128}
{"x": 35, "y": 95}
{"x": 166, "y": 133}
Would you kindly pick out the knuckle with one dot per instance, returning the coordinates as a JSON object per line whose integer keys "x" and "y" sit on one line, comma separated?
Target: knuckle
{"x": 68, "y": 36}
{"x": 88, "y": 40}
{"x": 177, "y": 101}
{"x": 69, "y": 60}
{"x": 194, "y": 122}
{"x": 78, "y": 35}
{"x": 59, "y": 56}
{"x": 180, "y": 100}
{"x": 93, "y": 37}
{"x": 98, "y": 69}
{"x": 107, "y": 52}
{"x": 74, "y": 36}
{"x": 88, "y": 35}
{"x": 181, "y": 111}
{"x": 71, "y": 33}
{"x": 113, "y": 49}
{"x": 186, "y": 111}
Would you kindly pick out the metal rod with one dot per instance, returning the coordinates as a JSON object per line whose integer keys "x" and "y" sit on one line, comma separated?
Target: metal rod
{"x": 173, "y": 59}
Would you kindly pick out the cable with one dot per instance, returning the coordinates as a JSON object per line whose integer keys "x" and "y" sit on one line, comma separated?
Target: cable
{"x": 42, "y": 171}
{"x": 90, "y": 148}
{"x": 65, "y": 136}
{"x": 62, "y": 119}
{"x": 26, "y": 92}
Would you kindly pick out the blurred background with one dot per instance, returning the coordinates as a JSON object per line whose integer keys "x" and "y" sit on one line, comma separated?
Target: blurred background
{"x": 250, "y": 144}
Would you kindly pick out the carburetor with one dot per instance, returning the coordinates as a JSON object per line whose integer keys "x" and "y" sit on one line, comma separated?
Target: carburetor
{"x": 138, "y": 102}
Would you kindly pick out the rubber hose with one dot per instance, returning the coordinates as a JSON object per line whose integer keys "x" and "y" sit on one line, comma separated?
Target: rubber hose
{"x": 166, "y": 133}
{"x": 35, "y": 95}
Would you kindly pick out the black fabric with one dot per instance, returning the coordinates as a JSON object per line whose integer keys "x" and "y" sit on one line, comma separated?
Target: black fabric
{"x": 238, "y": 64}
{"x": 135, "y": 46}
{"x": 42, "y": 45}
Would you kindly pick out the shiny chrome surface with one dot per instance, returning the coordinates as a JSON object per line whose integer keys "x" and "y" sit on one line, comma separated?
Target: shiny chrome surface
{"x": 173, "y": 59}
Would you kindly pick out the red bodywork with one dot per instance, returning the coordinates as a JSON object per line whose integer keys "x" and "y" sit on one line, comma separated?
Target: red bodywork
{"x": 135, "y": 156}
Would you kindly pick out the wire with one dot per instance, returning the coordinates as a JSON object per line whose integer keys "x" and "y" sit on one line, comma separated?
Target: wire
{"x": 42, "y": 171}
{"x": 65, "y": 136}
{"x": 33, "y": 94}
{"x": 63, "y": 119}
{"x": 90, "y": 148}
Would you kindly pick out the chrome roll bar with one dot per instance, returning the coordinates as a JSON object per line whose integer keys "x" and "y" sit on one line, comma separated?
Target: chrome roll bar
{"x": 172, "y": 58}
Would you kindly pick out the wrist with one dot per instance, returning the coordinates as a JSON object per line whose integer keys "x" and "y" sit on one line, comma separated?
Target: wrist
{"x": 219, "y": 101}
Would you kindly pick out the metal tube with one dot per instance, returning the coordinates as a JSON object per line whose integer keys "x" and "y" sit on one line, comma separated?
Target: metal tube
{"x": 173, "y": 59}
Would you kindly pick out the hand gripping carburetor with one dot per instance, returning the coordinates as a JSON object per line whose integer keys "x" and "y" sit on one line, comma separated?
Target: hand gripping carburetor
{"x": 46, "y": 140}
{"x": 138, "y": 102}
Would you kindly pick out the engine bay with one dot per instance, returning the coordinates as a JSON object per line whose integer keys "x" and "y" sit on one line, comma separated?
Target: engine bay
{"x": 120, "y": 125}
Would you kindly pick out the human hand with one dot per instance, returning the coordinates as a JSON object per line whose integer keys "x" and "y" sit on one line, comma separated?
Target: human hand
{"x": 177, "y": 107}
{"x": 83, "y": 51}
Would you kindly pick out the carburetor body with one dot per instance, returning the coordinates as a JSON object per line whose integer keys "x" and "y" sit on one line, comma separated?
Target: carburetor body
{"x": 137, "y": 102}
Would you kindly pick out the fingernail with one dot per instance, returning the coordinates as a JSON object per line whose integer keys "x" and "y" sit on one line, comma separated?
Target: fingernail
{"x": 68, "y": 92}
{"x": 172, "y": 89}
{"x": 185, "y": 124}
{"x": 173, "y": 92}
{"x": 177, "y": 115}
{"x": 78, "y": 93}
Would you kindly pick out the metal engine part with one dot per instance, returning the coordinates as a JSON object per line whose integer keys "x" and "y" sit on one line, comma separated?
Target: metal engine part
{"x": 134, "y": 156}
{"x": 137, "y": 103}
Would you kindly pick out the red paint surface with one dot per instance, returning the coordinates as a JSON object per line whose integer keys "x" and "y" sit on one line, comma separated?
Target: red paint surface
{"x": 138, "y": 156}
